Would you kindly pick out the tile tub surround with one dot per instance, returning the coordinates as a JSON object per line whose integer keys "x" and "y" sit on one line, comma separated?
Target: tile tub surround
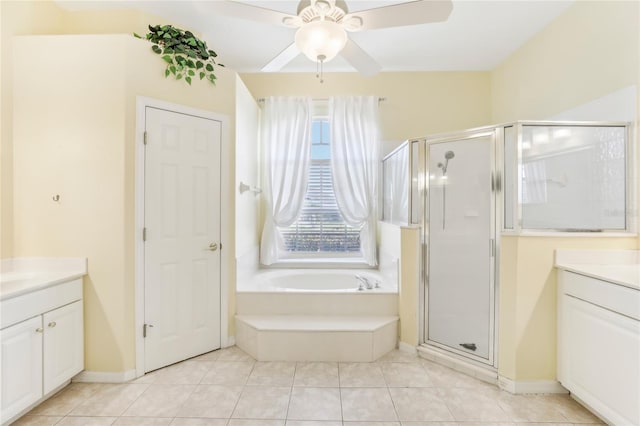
{"x": 396, "y": 390}
{"x": 276, "y": 324}
{"x": 22, "y": 275}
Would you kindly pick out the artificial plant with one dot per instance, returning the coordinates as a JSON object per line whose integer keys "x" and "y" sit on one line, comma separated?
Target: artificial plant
{"x": 186, "y": 56}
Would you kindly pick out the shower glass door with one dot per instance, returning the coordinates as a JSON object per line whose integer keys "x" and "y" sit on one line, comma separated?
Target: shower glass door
{"x": 460, "y": 236}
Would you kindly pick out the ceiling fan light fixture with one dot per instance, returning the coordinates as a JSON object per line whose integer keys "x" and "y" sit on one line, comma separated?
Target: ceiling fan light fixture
{"x": 321, "y": 39}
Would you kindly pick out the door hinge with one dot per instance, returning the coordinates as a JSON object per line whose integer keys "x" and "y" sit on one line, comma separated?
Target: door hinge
{"x": 144, "y": 137}
{"x": 144, "y": 234}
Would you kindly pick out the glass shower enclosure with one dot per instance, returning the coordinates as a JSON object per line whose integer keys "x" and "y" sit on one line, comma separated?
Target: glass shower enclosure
{"x": 466, "y": 189}
{"x": 460, "y": 244}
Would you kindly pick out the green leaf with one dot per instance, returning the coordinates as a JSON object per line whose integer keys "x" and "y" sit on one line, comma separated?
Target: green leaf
{"x": 191, "y": 54}
{"x": 178, "y": 76}
{"x": 172, "y": 69}
{"x": 168, "y": 51}
{"x": 188, "y": 80}
{"x": 168, "y": 59}
{"x": 167, "y": 72}
{"x": 136, "y": 35}
{"x": 191, "y": 73}
{"x": 212, "y": 53}
{"x": 156, "y": 49}
{"x": 199, "y": 64}
{"x": 166, "y": 35}
{"x": 190, "y": 63}
{"x": 209, "y": 68}
{"x": 202, "y": 75}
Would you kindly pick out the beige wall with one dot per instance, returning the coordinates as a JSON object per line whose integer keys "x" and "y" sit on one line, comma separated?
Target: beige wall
{"x": 24, "y": 17}
{"x": 417, "y": 103}
{"x": 409, "y": 294}
{"x": 76, "y": 138}
{"x": 588, "y": 52}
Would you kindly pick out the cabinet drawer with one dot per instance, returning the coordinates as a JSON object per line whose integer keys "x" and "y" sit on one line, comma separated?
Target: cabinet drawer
{"x": 17, "y": 309}
{"x": 614, "y": 297}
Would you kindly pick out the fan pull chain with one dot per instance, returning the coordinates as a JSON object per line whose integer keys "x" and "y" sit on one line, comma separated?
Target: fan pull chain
{"x": 320, "y": 64}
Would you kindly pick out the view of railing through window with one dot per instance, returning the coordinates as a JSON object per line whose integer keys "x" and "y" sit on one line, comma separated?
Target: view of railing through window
{"x": 320, "y": 226}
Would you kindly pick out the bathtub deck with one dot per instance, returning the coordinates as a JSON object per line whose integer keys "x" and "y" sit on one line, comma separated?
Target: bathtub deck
{"x": 316, "y": 338}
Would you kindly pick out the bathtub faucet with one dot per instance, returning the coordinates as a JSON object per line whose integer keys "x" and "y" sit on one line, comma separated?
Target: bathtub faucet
{"x": 364, "y": 281}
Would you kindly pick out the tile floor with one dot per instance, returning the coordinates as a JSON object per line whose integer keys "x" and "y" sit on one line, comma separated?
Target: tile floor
{"x": 229, "y": 388}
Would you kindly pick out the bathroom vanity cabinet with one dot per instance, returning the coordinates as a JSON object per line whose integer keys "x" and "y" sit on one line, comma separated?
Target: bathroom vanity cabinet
{"x": 599, "y": 338}
{"x": 41, "y": 339}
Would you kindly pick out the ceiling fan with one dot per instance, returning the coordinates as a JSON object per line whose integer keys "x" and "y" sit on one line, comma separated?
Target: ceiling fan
{"x": 322, "y": 27}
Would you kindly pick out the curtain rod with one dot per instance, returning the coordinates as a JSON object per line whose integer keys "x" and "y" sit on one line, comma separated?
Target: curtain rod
{"x": 380, "y": 99}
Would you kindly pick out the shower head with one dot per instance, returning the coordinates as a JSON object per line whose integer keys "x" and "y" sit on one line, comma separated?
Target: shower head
{"x": 447, "y": 156}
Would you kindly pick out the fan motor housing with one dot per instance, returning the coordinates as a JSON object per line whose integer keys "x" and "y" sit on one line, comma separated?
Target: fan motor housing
{"x": 308, "y": 12}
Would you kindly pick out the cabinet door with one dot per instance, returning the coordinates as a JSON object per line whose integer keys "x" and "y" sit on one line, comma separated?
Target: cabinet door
{"x": 21, "y": 366}
{"x": 600, "y": 351}
{"x": 63, "y": 345}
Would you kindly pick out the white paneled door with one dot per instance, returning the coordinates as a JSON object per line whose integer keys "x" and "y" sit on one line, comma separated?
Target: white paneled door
{"x": 182, "y": 237}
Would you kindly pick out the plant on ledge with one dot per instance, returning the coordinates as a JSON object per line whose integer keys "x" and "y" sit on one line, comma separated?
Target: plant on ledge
{"x": 186, "y": 55}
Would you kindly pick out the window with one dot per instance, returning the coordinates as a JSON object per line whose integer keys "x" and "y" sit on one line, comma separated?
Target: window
{"x": 320, "y": 228}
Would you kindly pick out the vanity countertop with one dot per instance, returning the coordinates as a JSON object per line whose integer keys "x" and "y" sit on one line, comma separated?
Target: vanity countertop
{"x": 23, "y": 275}
{"x": 620, "y": 267}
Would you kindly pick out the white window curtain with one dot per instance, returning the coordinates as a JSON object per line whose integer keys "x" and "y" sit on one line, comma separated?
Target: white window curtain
{"x": 355, "y": 160}
{"x": 286, "y": 147}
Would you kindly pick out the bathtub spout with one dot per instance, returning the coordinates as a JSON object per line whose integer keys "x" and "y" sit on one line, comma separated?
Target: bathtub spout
{"x": 364, "y": 281}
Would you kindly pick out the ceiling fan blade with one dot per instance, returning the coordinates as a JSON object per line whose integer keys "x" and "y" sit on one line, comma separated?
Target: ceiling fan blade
{"x": 283, "y": 58}
{"x": 404, "y": 14}
{"x": 245, "y": 11}
{"x": 359, "y": 59}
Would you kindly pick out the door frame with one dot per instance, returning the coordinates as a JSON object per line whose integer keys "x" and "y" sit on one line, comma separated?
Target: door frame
{"x": 142, "y": 103}
{"x": 496, "y": 173}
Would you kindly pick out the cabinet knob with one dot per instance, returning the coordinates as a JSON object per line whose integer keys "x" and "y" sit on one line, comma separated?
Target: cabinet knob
{"x": 52, "y": 324}
{"x": 39, "y": 330}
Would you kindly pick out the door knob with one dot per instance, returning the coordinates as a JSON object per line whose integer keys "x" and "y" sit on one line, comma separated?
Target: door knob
{"x": 213, "y": 246}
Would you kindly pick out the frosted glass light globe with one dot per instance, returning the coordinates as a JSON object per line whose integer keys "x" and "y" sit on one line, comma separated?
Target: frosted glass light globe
{"x": 321, "y": 40}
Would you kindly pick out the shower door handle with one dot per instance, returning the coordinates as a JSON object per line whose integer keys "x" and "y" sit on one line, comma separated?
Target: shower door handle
{"x": 492, "y": 247}
{"x": 213, "y": 246}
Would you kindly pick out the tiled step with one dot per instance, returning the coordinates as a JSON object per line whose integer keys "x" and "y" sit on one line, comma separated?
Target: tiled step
{"x": 316, "y": 338}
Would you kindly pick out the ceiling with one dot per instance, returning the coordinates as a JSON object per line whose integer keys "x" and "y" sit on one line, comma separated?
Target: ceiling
{"x": 478, "y": 35}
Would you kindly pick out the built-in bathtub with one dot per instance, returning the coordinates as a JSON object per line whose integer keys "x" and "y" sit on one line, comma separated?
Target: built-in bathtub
{"x": 316, "y": 315}
{"x": 319, "y": 281}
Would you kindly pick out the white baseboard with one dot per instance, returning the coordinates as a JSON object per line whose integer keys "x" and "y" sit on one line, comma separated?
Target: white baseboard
{"x": 407, "y": 348}
{"x": 231, "y": 341}
{"x": 538, "y": 386}
{"x": 105, "y": 376}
